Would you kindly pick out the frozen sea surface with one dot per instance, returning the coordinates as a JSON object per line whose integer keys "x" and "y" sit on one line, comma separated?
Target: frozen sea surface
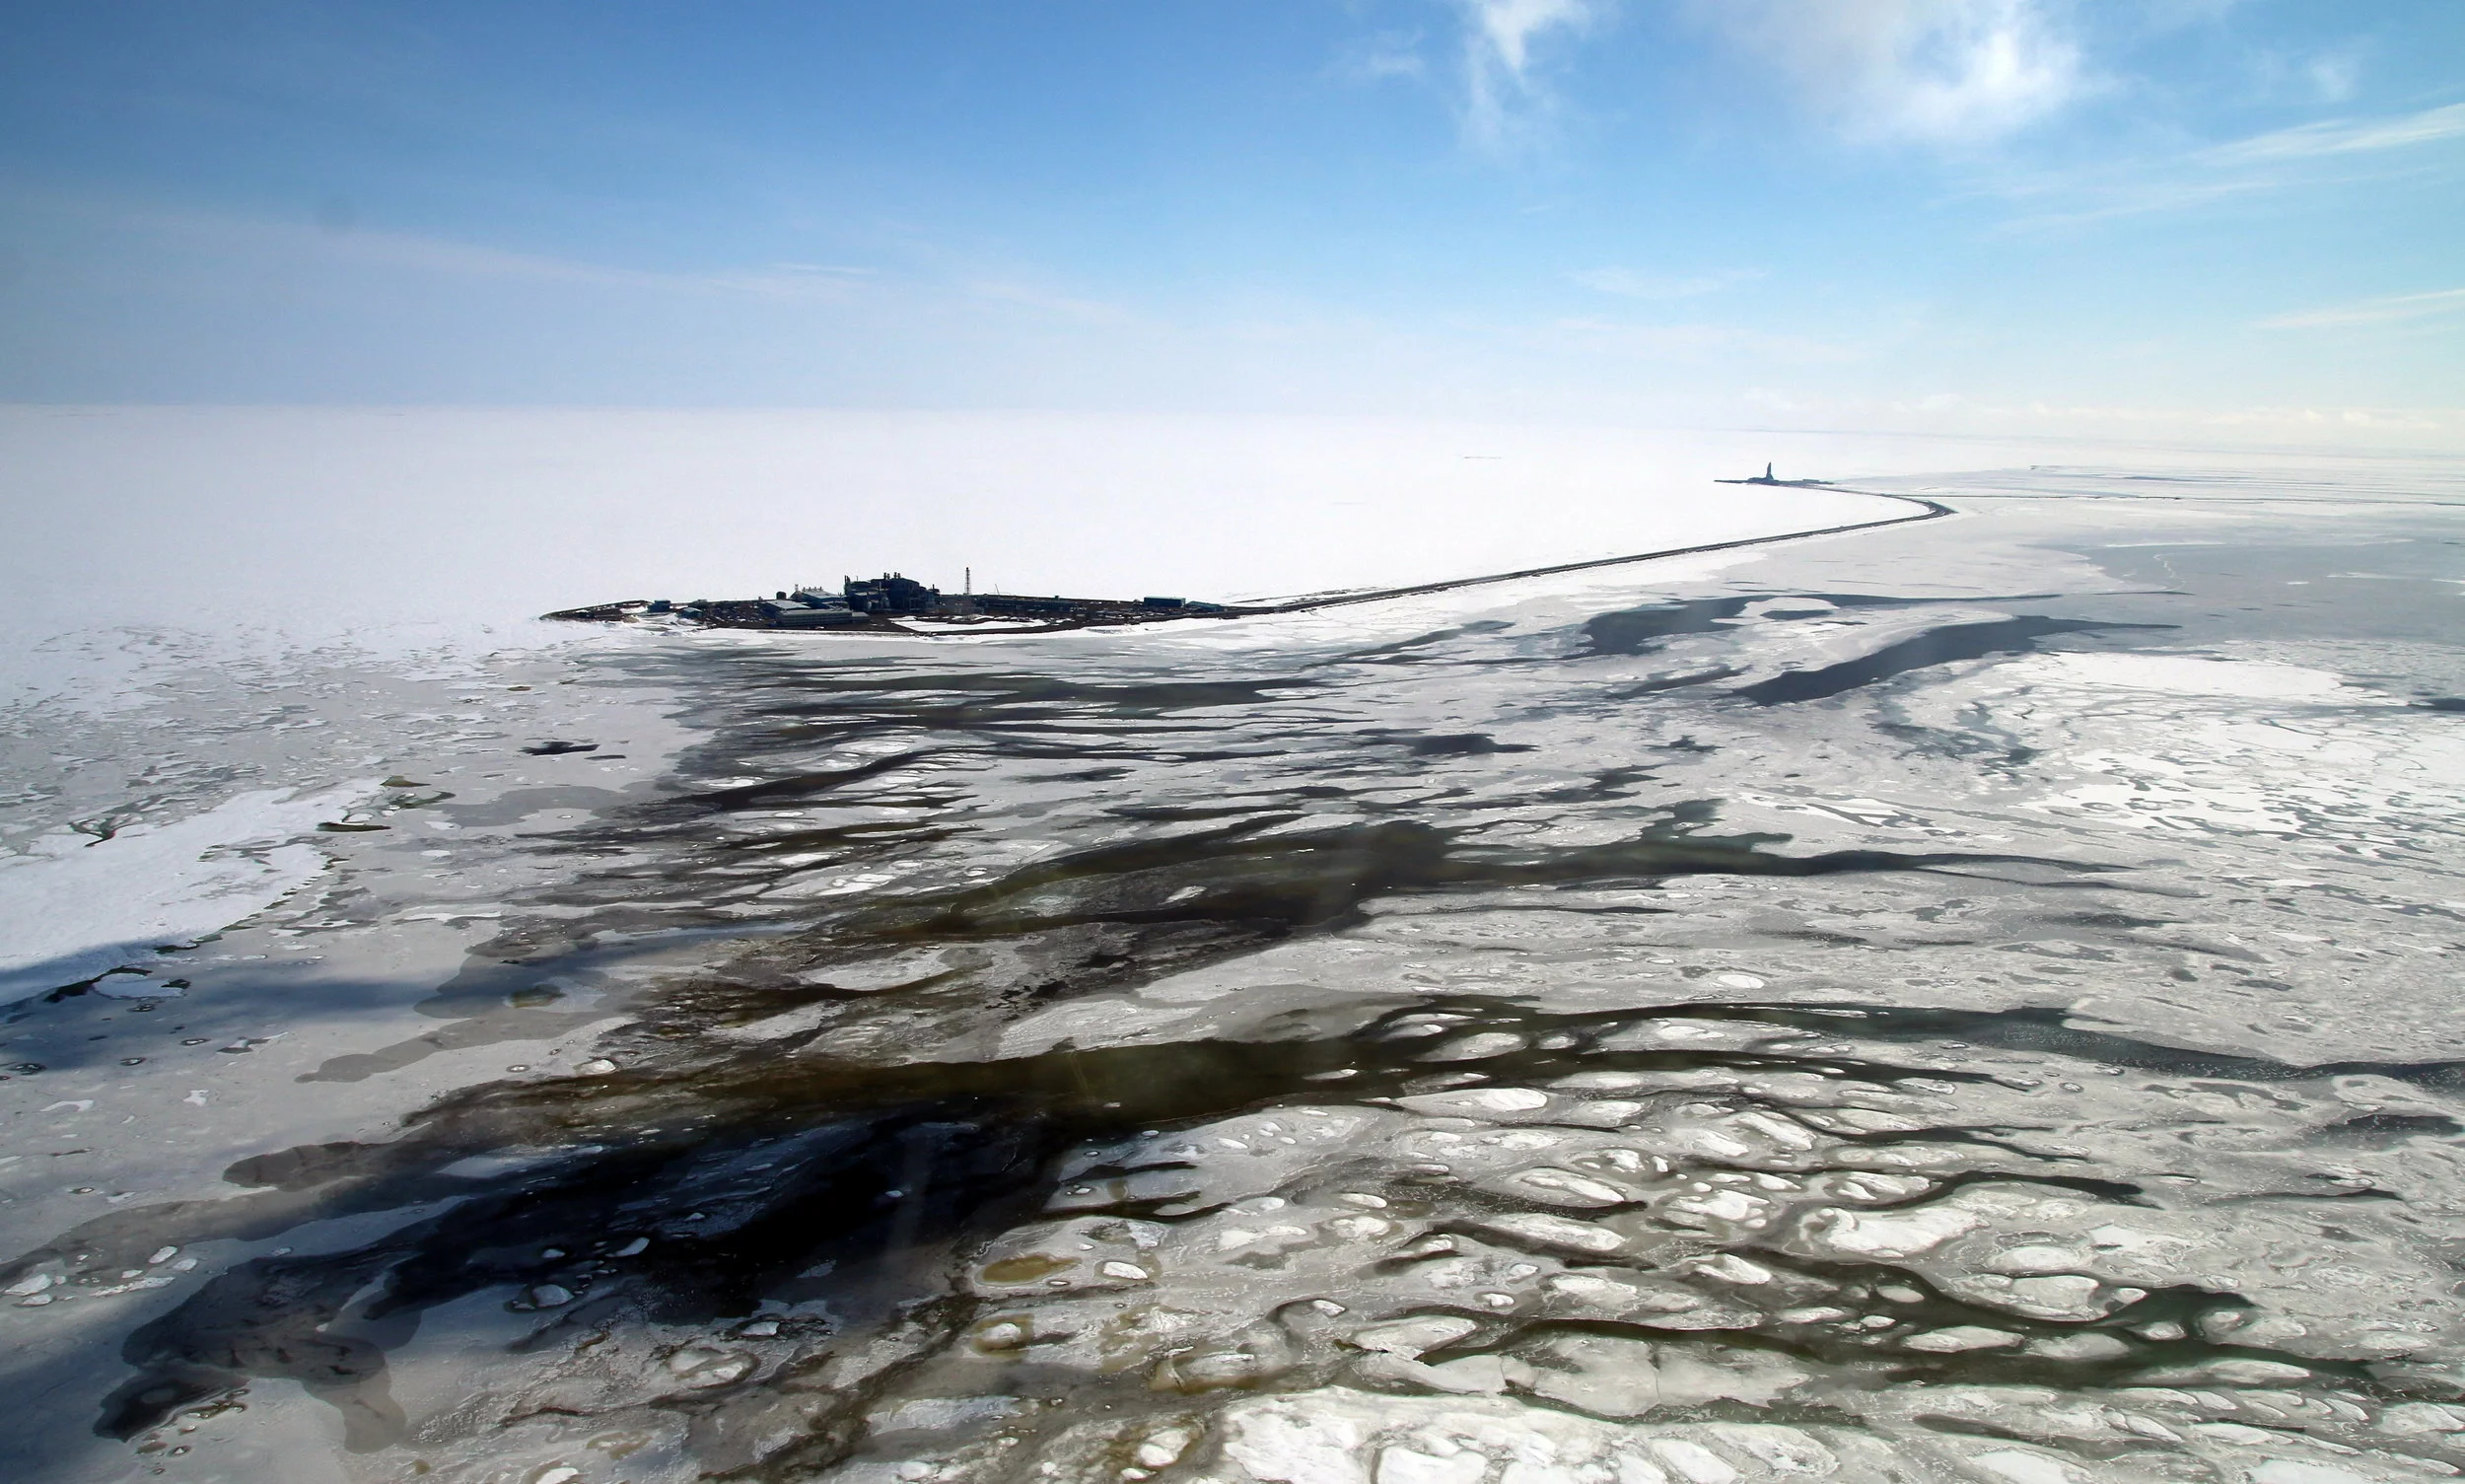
{"x": 1972, "y": 1000}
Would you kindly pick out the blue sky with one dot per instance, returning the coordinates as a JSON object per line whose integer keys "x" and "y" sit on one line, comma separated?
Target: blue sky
{"x": 1958, "y": 214}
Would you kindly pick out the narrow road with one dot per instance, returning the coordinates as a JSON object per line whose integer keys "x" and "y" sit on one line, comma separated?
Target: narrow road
{"x": 1928, "y": 510}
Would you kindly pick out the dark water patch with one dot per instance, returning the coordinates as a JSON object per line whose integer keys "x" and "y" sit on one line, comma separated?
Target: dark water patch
{"x": 542, "y": 979}
{"x": 1947, "y": 645}
{"x": 1012, "y": 687}
{"x": 516, "y": 805}
{"x": 690, "y": 1192}
{"x": 1257, "y": 873}
{"x": 1167, "y": 813}
{"x": 962, "y": 699}
{"x": 2120, "y": 922}
{"x": 1413, "y": 651}
{"x": 1605, "y": 784}
{"x": 710, "y": 1133}
{"x": 1660, "y": 684}
{"x": 1990, "y": 750}
{"x": 2442, "y": 703}
{"x": 770, "y": 719}
{"x": 267, "y": 1319}
{"x": 843, "y": 844}
{"x": 1444, "y": 744}
{"x": 1638, "y": 632}
{"x": 1645, "y": 630}
{"x": 1091, "y": 1090}
{"x": 990, "y": 721}
{"x": 795, "y": 788}
{"x": 302, "y": 1167}
{"x": 2052, "y": 1030}
{"x": 1463, "y": 744}
{"x": 2384, "y": 1130}
{"x": 1086, "y": 921}
{"x": 2261, "y": 586}
{"x": 2354, "y": 1193}
{"x": 2112, "y": 1192}
{"x": 670, "y": 1233}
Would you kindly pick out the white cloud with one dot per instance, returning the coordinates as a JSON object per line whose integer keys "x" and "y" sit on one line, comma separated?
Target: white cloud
{"x": 2333, "y": 151}
{"x": 424, "y": 255}
{"x": 1627, "y": 283}
{"x": 304, "y": 247}
{"x": 1377, "y": 58}
{"x": 1703, "y": 341}
{"x": 1501, "y": 90}
{"x": 1950, "y": 72}
{"x": 2390, "y": 310}
{"x": 2335, "y": 75}
{"x": 1037, "y": 296}
{"x": 2341, "y": 136}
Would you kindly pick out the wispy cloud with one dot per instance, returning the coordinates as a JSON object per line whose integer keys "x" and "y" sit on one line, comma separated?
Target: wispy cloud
{"x": 305, "y": 245}
{"x": 439, "y": 256}
{"x": 1503, "y": 93}
{"x": 2333, "y": 75}
{"x": 834, "y": 271}
{"x": 417, "y": 253}
{"x": 2325, "y": 152}
{"x": 2390, "y": 310}
{"x": 2340, "y": 136}
{"x": 1943, "y": 72}
{"x": 1377, "y": 58}
{"x": 1627, "y": 283}
{"x": 1698, "y": 341}
{"x": 1048, "y": 301}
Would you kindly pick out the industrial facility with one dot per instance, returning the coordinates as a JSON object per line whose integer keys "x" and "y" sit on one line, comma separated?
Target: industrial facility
{"x": 893, "y": 599}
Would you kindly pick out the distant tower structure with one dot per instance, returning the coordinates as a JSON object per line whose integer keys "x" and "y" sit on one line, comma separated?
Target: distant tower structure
{"x": 1767, "y": 472}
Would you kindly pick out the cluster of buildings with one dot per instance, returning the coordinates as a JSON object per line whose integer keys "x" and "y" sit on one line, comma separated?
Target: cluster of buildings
{"x": 875, "y": 602}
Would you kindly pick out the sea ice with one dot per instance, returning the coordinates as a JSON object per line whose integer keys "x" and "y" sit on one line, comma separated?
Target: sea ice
{"x": 79, "y": 907}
